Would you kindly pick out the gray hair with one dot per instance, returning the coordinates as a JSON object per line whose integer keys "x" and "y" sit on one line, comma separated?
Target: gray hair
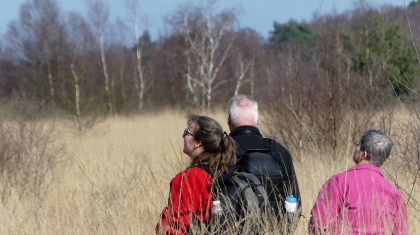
{"x": 242, "y": 104}
{"x": 377, "y": 145}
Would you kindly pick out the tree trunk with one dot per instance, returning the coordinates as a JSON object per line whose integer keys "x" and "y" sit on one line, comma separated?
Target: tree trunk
{"x": 240, "y": 78}
{"x": 106, "y": 77}
{"x": 51, "y": 82}
{"x": 243, "y": 70}
{"x": 209, "y": 96}
{"x": 122, "y": 74}
{"x": 140, "y": 90}
{"x": 77, "y": 96}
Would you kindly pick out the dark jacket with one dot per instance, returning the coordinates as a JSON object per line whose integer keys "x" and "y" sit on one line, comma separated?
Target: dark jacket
{"x": 281, "y": 180}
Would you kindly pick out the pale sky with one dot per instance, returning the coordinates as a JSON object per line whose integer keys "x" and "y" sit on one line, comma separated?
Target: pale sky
{"x": 256, "y": 14}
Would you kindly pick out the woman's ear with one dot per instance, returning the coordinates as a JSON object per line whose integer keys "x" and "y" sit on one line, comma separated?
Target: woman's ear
{"x": 198, "y": 144}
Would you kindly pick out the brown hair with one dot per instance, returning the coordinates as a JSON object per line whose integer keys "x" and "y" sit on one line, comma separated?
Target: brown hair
{"x": 219, "y": 147}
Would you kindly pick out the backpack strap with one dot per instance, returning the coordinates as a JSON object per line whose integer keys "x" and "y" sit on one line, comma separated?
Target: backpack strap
{"x": 225, "y": 177}
{"x": 230, "y": 172}
{"x": 271, "y": 145}
{"x": 242, "y": 152}
{"x": 256, "y": 186}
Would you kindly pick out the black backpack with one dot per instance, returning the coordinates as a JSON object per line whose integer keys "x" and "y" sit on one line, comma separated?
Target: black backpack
{"x": 243, "y": 199}
{"x": 265, "y": 163}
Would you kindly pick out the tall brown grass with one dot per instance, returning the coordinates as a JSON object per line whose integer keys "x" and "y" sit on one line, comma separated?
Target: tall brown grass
{"x": 114, "y": 179}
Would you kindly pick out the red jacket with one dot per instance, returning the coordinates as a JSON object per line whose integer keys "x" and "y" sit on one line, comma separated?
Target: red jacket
{"x": 189, "y": 196}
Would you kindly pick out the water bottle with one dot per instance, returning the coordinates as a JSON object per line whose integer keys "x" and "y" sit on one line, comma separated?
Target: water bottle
{"x": 217, "y": 208}
{"x": 291, "y": 204}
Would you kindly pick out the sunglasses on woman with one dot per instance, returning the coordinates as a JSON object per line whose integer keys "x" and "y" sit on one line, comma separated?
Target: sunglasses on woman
{"x": 187, "y": 132}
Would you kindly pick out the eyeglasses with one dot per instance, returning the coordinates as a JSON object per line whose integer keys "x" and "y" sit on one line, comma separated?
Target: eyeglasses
{"x": 187, "y": 132}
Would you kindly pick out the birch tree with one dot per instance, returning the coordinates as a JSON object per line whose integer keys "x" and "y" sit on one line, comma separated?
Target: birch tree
{"x": 244, "y": 68}
{"x": 81, "y": 41}
{"x": 247, "y": 43}
{"x": 99, "y": 14}
{"x": 139, "y": 80}
{"x": 208, "y": 47}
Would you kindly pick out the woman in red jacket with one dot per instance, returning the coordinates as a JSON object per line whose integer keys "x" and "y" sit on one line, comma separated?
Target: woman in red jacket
{"x": 190, "y": 197}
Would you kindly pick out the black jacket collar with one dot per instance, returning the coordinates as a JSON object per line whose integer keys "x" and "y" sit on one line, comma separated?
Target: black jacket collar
{"x": 245, "y": 130}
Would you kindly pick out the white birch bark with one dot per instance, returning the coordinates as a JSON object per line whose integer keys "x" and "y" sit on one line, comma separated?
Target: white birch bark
{"x": 50, "y": 81}
{"x": 105, "y": 71}
{"x": 243, "y": 70}
{"x": 140, "y": 90}
{"x": 77, "y": 95}
{"x": 203, "y": 62}
{"x": 139, "y": 80}
{"x": 99, "y": 12}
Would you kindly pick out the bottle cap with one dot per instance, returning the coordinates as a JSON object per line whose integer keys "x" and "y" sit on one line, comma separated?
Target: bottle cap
{"x": 216, "y": 203}
{"x": 291, "y": 198}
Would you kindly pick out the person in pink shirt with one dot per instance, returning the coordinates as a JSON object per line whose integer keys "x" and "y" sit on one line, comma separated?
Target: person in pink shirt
{"x": 361, "y": 200}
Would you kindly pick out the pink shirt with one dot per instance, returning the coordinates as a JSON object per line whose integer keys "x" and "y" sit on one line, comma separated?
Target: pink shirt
{"x": 359, "y": 201}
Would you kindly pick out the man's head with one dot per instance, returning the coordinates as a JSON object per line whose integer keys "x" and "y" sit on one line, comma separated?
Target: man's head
{"x": 242, "y": 110}
{"x": 374, "y": 147}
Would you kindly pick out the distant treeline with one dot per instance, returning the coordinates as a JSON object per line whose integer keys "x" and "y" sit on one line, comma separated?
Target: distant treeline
{"x": 361, "y": 58}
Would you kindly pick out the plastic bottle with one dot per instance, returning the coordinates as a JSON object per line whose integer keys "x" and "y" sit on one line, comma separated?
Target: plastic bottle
{"x": 217, "y": 208}
{"x": 290, "y": 204}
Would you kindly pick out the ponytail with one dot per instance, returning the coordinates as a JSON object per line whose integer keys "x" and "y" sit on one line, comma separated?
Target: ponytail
{"x": 227, "y": 156}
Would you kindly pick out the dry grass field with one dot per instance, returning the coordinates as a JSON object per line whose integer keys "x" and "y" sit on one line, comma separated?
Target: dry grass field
{"x": 114, "y": 179}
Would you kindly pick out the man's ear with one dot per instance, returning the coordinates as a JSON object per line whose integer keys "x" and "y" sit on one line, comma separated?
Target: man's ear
{"x": 364, "y": 155}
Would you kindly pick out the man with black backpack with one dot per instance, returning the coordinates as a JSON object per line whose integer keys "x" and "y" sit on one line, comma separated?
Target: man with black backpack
{"x": 265, "y": 158}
